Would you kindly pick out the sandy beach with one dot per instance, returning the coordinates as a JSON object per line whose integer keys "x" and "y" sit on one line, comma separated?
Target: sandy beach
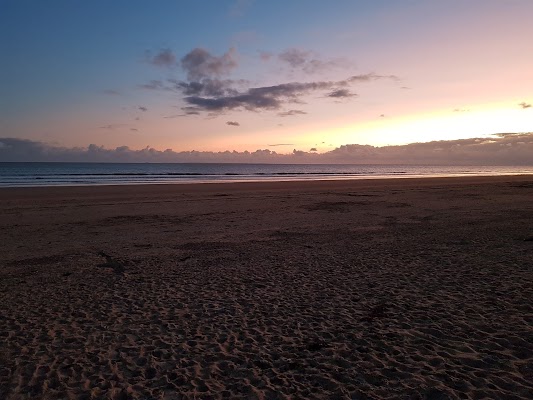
{"x": 369, "y": 289}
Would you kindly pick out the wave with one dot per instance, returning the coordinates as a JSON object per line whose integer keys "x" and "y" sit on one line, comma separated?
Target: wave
{"x": 174, "y": 174}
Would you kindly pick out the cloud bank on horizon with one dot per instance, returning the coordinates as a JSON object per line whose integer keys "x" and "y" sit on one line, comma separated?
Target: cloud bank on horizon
{"x": 500, "y": 149}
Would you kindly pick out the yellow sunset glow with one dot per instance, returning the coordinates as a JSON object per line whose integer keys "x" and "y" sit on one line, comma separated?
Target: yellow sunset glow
{"x": 433, "y": 126}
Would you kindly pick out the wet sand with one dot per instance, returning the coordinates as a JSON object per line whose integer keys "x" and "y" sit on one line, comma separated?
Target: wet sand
{"x": 405, "y": 288}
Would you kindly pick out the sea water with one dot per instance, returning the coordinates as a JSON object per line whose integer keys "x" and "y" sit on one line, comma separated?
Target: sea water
{"x": 72, "y": 174}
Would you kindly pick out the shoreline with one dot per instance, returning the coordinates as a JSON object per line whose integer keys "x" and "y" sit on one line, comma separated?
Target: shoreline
{"x": 296, "y": 184}
{"x": 139, "y": 174}
{"x": 398, "y": 288}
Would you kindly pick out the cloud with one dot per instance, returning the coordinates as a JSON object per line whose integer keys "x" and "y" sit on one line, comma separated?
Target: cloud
{"x": 233, "y": 123}
{"x": 165, "y": 58}
{"x": 370, "y": 77}
{"x": 246, "y": 101}
{"x": 134, "y": 130}
{"x": 190, "y": 111}
{"x": 313, "y": 149}
{"x": 206, "y": 89}
{"x": 524, "y": 105}
{"x": 294, "y": 57}
{"x": 291, "y": 113}
{"x": 460, "y": 110}
{"x": 341, "y": 93}
{"x": 200, "y": 64}
{"x": 142, "y": 108}
{"x": 273, "y": 97}
{"x": 309, "y": 62}
{"x": 500, "y": 149}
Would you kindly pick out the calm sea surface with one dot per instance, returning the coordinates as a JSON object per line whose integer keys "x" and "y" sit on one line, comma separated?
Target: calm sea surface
{"x": 71, "y": 174}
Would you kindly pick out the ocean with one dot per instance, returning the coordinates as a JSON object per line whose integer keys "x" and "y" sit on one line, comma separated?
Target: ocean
{"x": 76, "y": 174}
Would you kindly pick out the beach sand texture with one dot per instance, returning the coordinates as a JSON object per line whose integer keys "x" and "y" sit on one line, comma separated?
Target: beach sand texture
{"x": 385, "y": 289}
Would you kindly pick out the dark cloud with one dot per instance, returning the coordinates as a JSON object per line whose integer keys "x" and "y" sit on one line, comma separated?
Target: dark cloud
{"x": 200, "y": 64}
{"x": 205, "y": 87}
{"x": 313, "y": 149}
{"x": 248, "y": 102}
{"x": 269, "y": 97}
{"x": 341, "y": 93}
{"x": 191, "y": 111}
{"x": 233, "y": 123}
{"x": 291, "y": 113}
{"x": 134, "y": 130}
{"x": 382, "y": 116}
{"x": 291, "y": 90}
{"x": 524, "y": 105}
{"x": 500, "y": 149}
{"x": 299, "y": 153}
{"x": 142, "y": 108}
{"x": 165, "y": 58}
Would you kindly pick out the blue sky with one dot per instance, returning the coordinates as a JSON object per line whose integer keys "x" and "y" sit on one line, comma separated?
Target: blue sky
{"x": 80, "y": 72}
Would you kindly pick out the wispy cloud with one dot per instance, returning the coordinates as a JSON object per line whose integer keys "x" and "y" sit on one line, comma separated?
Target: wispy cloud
{"x": 309, "y": 62}
{"x": 524, "y": 105}
{"x": 341, "y": 93}
{"x": 295, "y": 57}
{"x": 142, "y": 108}
{"x": 291, "y": 113}
{"x": 164, "y": 58}
{"x": 233, "y": 123}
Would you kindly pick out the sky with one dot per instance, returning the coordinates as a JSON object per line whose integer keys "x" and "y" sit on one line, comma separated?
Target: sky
{"x": 283, "y": 77}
